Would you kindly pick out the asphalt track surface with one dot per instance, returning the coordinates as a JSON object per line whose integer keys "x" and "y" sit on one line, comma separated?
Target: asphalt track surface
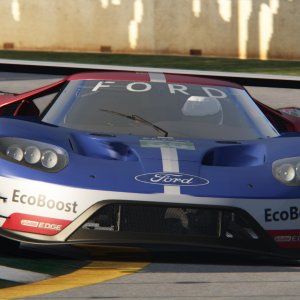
{"x": 94, "y": 272}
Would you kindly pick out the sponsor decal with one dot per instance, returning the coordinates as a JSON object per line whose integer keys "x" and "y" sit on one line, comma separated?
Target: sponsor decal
{"x": 286, "y": 238}
{"x": 42, "y": 201}
{"x": 4, "y": 199}
{"x": 35, "y": 224}
{"x": 29, "y": 223}
{"x": 169, "y": 178}
{"x": 144, "y": 87}
{"x": 162, "y": 143}
{"x": 290, "y": 214}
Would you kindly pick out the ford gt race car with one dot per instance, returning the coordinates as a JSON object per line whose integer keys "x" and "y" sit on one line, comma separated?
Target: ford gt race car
{"x": 149, "y": 158}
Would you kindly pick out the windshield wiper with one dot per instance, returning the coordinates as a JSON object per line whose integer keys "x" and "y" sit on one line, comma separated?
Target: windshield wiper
{"x": 136, "y": 118}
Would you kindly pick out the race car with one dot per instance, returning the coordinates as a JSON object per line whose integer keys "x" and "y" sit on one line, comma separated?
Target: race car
{"x": 142, "y": 158}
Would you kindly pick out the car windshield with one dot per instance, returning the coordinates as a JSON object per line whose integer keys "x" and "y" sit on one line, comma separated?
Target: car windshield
{"x": 159, "y": 109}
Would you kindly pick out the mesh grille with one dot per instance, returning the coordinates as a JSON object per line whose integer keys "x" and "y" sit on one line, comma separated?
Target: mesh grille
{"x": 159, "y": 219}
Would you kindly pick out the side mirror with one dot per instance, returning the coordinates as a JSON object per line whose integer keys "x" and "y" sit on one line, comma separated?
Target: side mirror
{"x": 292, "y": 111}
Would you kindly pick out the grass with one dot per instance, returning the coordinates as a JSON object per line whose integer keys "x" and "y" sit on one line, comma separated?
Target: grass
{"x": 280, "y": 67}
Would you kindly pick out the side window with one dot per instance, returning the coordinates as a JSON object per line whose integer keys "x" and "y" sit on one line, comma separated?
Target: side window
{"x": 33, "y": 105}
{"x": 43, "y": 101}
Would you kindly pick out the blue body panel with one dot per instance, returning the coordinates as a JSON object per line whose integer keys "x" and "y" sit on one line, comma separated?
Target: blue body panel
{"x": 103, "y": 162}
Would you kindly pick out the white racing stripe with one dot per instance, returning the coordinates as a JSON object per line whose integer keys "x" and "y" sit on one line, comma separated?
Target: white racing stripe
{"x": 169, "y": 155}
{"x": 21, "y": 276}
{"x": 170, "y": 164}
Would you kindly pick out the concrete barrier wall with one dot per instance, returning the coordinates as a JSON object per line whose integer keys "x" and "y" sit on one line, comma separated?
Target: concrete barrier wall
{"x": 229, "y": 28}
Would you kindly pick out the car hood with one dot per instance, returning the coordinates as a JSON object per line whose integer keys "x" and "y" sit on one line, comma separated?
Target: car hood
{"x": 138, "y": 164}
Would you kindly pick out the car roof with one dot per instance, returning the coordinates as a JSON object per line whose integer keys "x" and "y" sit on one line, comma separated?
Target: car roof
{"x": 152, "y": 77}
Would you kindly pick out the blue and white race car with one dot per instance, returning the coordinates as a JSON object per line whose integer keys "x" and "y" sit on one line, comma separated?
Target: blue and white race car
{"x": 149, "y": 158}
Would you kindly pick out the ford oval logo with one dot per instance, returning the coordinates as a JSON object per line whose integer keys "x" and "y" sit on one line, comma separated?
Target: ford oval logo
{"x": 165, "y": 178}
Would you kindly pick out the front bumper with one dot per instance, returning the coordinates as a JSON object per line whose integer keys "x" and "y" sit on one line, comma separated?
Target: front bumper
{"x": 63, "y": 214}
{"x": 127, "y": 222}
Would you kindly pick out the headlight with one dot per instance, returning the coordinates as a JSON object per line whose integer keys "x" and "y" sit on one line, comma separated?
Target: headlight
{"x": 287, "y": 170}
{"x": 33, "y": 154}
{"x": 49, "y": 159}
{"x": 15, "y": 152}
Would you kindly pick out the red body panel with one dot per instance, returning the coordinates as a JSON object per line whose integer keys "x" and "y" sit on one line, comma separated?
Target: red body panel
{"x": 35, "y": 224}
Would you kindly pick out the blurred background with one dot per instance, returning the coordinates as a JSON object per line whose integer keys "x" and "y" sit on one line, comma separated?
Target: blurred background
{"x": 262, "y": 29}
